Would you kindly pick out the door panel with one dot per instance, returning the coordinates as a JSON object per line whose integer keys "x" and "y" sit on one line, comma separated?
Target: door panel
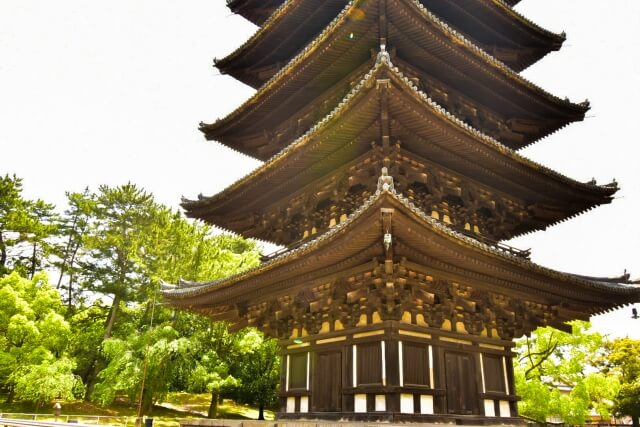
{"x": 327, "y": 393}
{"x": 461, "y": 384}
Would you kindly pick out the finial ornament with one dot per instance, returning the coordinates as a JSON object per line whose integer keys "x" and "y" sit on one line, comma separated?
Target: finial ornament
{"x": 385, "y": 181}
{"x": 383, "y": 55}
{"x": 387, "y": 241}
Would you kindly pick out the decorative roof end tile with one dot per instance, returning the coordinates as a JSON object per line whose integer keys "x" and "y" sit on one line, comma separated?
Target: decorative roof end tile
{"x": 385, "y": 182}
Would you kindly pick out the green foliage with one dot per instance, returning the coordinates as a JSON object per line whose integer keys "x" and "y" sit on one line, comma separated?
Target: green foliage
{"x": 258, "y": 369}
{"x": 87, "y": 324}
{"x": 217, "y": 354}
{"x": 73, "y": 228}
{"x": 25, "y": 226}
{"x": 116, "y": 243}
{"x": 34, "y": 338}
{"x": 624, "y": 362}
{"x": 194, "y": 344}
{"x": 551, "y": 361}
{"x": 49, "y": 380}
{"x": 163, "y": 352}
{"x": 112, "y": 249}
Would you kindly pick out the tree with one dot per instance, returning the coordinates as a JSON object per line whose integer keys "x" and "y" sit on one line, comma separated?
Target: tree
{"x": 115, "y": 246}
{"x": 52, "y": 379}
{"x": 87, "y": 324}
{"x": 624, "y": 361}
{"x": 171, "y": 248}
{"x": 73, "y": 228}
{"x": 25, "y": 226}
{"x": 143, "y": 365}
{"x": 550, "y": 359}
{"x": 211, "y": 370}
{"x": 34, "y": 341}
{"x": 258, "y": 369}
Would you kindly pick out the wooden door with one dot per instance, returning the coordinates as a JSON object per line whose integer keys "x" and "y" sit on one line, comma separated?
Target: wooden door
{"x": 462, "y": 397}
{"x": 327, "y": 393}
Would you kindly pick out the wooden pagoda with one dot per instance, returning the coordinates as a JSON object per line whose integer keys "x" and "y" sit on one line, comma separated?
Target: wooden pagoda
{"x": 389, "y": 131}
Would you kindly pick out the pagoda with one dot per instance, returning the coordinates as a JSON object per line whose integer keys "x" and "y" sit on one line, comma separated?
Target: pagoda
{"x": 389, "y": 131}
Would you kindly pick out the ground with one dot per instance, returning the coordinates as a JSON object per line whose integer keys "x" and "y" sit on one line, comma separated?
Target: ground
{"x": 166, "y": 414}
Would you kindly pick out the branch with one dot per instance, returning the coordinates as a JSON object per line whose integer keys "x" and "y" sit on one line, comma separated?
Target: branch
{"x": 545, "y": 355}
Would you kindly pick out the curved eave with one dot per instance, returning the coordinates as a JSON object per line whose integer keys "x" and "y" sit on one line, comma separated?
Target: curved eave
{"x": 495, "y": 67}
{"x": 270, "y": 182}
{"x": 279, "y": 88}
{"x": 493, "y": 24}
{"x": 553, "y": 40}
{"x": 362, "y": 229}
{"x": 306, "y": 151}
{"x": 293, "y": 24}
{"x": 288, "y": 29}
{"x": 255, "y": 11}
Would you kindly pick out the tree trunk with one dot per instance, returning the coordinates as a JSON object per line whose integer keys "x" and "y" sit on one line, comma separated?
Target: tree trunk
{"x": 10, "y": 395}
{"x": 147, "y": 402}
{"x": 63, "y": 270}
{"x": 66, "y": 252}
{"x": 113, "y": 313}
{"x": 33, "y": 260}
{"x": 261, "y": 411}
{"x": 92, "y": 378}
{"x": 3, "y": 254}
{"x": 69, "y": 293}
{"x": 635, "y": 420}
{"x": 213, "y": 406}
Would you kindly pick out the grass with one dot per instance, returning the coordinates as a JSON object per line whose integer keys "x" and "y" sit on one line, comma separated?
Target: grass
{"x": 177, "y": 406}
{"x": 199, "y": 403}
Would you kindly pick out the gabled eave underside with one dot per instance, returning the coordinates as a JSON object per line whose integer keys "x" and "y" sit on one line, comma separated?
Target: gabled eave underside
{"x": 420, "y": 242}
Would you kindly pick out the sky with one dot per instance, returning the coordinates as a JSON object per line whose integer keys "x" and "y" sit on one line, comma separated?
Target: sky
{"x": 107, "y": 92}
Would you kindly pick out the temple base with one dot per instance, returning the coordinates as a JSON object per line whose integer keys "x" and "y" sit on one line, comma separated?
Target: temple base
{"x": 391, "y": 371}
{"x": 418, "y": 420}
{"x": 467, "y": 421}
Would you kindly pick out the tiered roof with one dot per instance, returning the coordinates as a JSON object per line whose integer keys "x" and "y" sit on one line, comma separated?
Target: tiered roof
{"x": 425, "y": 245}
{"x": 258, "y": 11}
{"x": 426, "y": 131}
{"x": 481, "y": 89}
{"x": 492, "y": 25}
{"x": 349, "y": 88}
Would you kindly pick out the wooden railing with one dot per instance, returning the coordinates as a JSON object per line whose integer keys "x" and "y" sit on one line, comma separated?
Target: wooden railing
{"x": 50, "y": 420}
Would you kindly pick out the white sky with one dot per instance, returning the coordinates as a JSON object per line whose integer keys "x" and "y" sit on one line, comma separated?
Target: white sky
{"x": 105, "y": 92}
